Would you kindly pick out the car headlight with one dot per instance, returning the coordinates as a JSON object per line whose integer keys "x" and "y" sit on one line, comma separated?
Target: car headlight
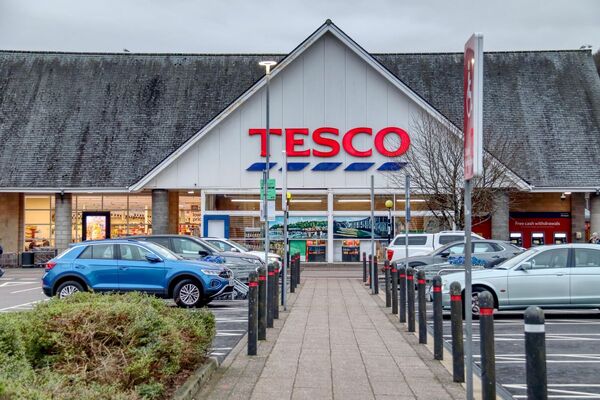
{"x": 211, "y": 271}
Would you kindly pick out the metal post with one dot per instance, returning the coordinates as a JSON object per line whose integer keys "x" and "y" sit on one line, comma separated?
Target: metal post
{"x": 488, "y": 357}
{"x": 375, "y": 276}
{"x": 373, "y": 232}
{"x": 271, "y": 302}
{"x": 402, "y": 294}
{"x": 394, "y": 289}
{"x": 388, "y": 297}
{"x": 438, "y": 319}
{"x": 458, "y": 354}
{"x": 285, "y": 208}
{"x": 364, "y": 260}
{"x": 262, "y": 303}
{"x": 276, "y": 285}
{"x": 267, "y": 168}
{"x": 371, "y": 271}
{"x": 292, "y": 260}
{"x": 410, "y": 297}
{"x": 535, "y": 354}
{"x": 422, "y": 307}
{"x": 468, "y": 294}
{"x": 252, "y": 313}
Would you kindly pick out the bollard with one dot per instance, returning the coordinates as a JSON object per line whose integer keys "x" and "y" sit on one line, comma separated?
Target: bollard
{"x": 376, "y": 276}
{"x": 277, "y": 294}
{"x": 422, "y": 307}
{"x": 438, "y": 320}
{"x": 370, "y": 271}
{"x": 402, "y": 293}
{"x": 252, "y": 313}
{"x": 291, "y": 271}
{"x": 271, "y": 302}
{"x": 364, "y": 260}
{"x": 458, "y": 352}
{"x": 394, "y": 289}
{"x": 488, "y": 357}
{"x": 298, "y": 270}
{"x": 410, "y": 298}
{"x": 388, "y": 297}
{"x": 262, "y": 303}
{"x": 535, "y": 354}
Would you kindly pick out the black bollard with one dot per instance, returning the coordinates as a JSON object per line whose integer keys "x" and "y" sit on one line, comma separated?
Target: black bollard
{"x": 262, "y": 303}
{"x": 394, "y": 289}
{"x": 277, "y": 294}
{"x": 422, "y": 307}
{"x": 298, "y": 270}
{"x": 410, "y": 298}
{"x": 364, "y": 261}
{"x": 376, "y": 276}
{"x": 535, "y": 354}
{"x": 402, "y": 293}
{"x": 292, "y": 275}
{"x": 388, "y": 297}
{"x": 271, "y": 302}
{"x": 458, "y": 353}
{"x": 488, "y": 357}
{"x": 252, "y": 313}
{"x": 370, "y": 279}
{"x": 438, "y": 320}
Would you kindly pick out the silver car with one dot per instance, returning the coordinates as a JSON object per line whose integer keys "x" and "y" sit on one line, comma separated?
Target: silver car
{"x": 559, "y": 276}
{"x": 491, "y": 252}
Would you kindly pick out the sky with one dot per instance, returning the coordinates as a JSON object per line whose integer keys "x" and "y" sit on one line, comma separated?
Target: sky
{"x": 271, "y": 26}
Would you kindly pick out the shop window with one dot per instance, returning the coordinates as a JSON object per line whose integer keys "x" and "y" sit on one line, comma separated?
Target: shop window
{"x": 39, "y": 222}
{"x": 351, "y": 202}
{"x": 232, "y": 202}
{"x": 189, "y": 215}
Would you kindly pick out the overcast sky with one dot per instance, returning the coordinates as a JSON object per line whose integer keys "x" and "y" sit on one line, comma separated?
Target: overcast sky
{"x": 262, "y": 26}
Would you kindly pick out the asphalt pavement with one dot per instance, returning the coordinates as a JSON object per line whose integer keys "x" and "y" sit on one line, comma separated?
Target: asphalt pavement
{"x": 21, "y": 289}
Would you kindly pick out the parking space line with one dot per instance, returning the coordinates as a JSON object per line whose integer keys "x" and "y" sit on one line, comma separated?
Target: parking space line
{"x": 26, "y": 290}
{"x": 31, "y": 303}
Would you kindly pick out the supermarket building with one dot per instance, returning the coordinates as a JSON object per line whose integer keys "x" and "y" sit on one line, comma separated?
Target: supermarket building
{"x": 95, "y": 145}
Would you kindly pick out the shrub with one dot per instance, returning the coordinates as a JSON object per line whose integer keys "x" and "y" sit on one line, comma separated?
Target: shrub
{"x": 100, "y": 347}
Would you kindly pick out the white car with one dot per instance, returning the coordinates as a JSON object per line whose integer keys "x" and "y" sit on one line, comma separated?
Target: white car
{"x": 558, "y": 276}
{"x": 230, "y": 245}
{"x": 423, "y": 243}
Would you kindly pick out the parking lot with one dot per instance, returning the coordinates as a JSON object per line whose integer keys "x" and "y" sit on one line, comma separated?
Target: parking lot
{"x": 572, "y": 346}
{"x": 20, "y": 290}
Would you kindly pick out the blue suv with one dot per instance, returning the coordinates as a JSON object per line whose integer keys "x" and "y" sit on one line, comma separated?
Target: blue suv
{"x": 127, "y": 265}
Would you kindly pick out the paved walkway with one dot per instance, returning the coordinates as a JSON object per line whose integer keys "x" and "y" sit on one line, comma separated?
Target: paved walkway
{"x": 336, "y": 342}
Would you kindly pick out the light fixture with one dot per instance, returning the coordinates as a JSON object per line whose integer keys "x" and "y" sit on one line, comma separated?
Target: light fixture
{"x": 567, "y": 193}
{"x": 411, "y": 200}
{"x": 306, "y": 201}
{"x": 267, "y": 64}
{"x": 191, "y": 192}
{"x": 354, "y": 200}
{"x": 245, "y": 200}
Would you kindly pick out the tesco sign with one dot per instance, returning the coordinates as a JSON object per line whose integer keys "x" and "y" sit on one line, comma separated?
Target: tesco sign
{"x": 299, "y": 141}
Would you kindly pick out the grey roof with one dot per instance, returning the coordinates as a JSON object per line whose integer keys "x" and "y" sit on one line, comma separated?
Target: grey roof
{"x": 105, "y": 120}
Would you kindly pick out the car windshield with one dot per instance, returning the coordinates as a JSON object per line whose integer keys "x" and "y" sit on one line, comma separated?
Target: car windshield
{"x": 512, "y": 262}
{"x": 162, "y": 251}
{"x": 239, "y": 246}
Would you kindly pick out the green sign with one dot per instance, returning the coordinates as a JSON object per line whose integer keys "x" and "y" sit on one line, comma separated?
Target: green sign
{"x": 271, "y": 194}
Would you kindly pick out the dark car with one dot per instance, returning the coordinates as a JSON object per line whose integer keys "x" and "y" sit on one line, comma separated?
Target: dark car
{"x": 193, "y": 248}
{"x": 127, "y": 265}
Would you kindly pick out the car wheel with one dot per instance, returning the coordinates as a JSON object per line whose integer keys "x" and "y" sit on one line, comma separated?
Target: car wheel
{"x": 68, "y": 288}
{"x": 474, "y": 301}
{"x": 188, "y": 294}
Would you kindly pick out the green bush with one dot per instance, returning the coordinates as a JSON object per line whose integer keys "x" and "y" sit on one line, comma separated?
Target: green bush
{"x": 92, "y": 346}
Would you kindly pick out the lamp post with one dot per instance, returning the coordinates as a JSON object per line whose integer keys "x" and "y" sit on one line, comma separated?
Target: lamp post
{"x": 267, "y": 65}
{"x": 389, "y": 204}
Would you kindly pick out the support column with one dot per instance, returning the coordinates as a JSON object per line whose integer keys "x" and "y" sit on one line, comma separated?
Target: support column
{"x": 160, "y": 211}
{"x": 330, "y": 226}
{"x": 63, "y": 219}
{"x": 11, "y": 222}
{"x": 500, "y": 216}
{"x": 174, "y": 212}
{"x": 594, "y": 213}
{"x": 578, "y": 217}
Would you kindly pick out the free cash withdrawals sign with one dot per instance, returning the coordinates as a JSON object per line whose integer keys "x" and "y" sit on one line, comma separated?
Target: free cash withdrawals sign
{"x": 473, "y": 106}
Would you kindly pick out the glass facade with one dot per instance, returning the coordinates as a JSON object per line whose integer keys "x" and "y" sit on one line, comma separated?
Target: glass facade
{"x": 39, "y": 222}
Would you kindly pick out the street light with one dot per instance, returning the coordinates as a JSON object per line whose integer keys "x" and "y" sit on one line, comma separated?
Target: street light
{"x": 267, "y": 64}
{"x": 389, "y": 204}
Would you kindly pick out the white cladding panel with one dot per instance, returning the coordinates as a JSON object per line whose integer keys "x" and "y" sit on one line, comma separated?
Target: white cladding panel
{"x": 327, "y": 85}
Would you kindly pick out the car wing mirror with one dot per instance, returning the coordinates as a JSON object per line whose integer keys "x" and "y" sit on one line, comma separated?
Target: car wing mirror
{"x": 203, "y": 253}
{"x": 153, "y": 258}
{"x": 445, "y": 254}
{"x": 526, "y": 266}
{"x": 235, "y": 250}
